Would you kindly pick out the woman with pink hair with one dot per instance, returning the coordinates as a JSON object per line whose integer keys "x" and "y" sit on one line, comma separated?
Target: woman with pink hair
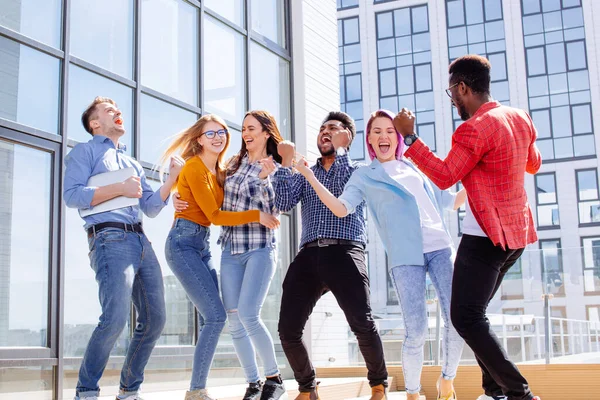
{"x": 397, "y": 194}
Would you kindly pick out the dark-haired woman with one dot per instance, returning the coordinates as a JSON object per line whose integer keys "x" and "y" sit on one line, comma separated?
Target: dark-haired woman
{"x": 248, "y": 253}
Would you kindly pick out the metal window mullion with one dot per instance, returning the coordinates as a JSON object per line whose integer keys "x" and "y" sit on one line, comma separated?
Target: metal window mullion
{"x": 137, "y": 97}
{"x": 27, "y": 41}
{"x": 61, "y": 270}
{"x": 200, "y": 49}
{"x": 247, "y": 58}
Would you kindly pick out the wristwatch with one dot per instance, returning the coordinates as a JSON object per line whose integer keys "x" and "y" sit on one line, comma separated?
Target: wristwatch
{"x": 410, "y": 139}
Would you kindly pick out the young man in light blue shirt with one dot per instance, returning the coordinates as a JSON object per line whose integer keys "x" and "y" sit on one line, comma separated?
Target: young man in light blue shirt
{"x": 121, "y": 256}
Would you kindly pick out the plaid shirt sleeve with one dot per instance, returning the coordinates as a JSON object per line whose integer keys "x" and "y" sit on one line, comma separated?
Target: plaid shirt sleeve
{"x": 468, "y": 148}
{"x": 288, "y": 188}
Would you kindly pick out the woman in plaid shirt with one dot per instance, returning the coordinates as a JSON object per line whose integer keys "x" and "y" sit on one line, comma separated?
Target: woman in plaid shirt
{"x": 248, "y": 256}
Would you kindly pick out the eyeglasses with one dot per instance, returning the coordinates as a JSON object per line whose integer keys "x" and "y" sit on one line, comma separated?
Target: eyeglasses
{"x": 448, "y": 92}
{"x": 211, "y": 134}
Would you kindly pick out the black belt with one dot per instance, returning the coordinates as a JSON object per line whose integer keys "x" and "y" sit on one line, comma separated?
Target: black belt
{"x": 120, "y": 225}
{"x": 332, "y": 242}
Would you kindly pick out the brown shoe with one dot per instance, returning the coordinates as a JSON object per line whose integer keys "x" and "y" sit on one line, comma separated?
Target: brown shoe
{"x": 378, "y": 392}
{"x": 312, "y": 395}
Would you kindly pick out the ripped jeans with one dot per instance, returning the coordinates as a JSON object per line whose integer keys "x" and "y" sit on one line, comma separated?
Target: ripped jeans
{"x": 245, "y": 281}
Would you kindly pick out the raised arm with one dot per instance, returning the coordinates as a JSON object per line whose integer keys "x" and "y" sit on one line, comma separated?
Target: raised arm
{"x": 204, "y": 197}
{"x": 152, "y": 202}
{"x": 288, "y": 186}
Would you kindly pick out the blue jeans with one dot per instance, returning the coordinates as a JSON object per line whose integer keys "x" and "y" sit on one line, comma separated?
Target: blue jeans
{"x": 409, "y": 282}
{"x": 245, "y": 281}
{"x": 126, "y": 270}
{"x": 188, "y": 254}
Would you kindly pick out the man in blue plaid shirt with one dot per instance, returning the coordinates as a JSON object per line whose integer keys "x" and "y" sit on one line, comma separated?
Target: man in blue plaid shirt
{"x": 331, "y": 257}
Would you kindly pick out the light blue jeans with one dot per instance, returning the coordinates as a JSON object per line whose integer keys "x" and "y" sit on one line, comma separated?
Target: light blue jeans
{"x": 409, "y": 282}
{"x": 245, "y": 281}
{"x": 126, "y": 270}
{"x": 188, "y": 254}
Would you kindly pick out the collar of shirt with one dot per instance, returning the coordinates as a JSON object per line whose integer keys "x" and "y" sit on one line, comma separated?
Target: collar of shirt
{"x": 106, "y": 139}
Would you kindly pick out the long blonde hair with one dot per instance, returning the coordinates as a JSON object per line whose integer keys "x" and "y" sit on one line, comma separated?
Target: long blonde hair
{"x": 186, "y": 144}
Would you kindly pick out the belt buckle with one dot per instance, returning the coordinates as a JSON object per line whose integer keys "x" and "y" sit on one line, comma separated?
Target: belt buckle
{"x": 322, "y": 243}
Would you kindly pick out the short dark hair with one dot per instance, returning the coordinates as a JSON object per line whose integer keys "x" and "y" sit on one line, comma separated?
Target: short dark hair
{"x": 91, "y": 109}
{"x": 473, "y": 70}
{"x": 345, "y": 119}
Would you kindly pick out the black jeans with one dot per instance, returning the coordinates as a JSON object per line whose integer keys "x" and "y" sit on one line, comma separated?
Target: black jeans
{"x": 479, "y": 269}
{"x": 314, "y": 272}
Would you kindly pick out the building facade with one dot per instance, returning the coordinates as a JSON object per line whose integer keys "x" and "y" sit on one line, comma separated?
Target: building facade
{"x": 544, "y": 53}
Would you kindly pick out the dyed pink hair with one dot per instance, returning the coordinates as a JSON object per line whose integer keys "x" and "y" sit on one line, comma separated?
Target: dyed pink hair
{"x": 383, "y": 114}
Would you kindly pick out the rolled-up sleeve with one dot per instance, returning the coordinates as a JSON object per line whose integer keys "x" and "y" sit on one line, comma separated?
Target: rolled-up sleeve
{"x": 352, "y": 195}
{"x": 78, "y": 170}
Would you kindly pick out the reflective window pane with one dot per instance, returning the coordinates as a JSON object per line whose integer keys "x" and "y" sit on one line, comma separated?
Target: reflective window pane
{"x": 536, "y": 61}
{"x": 385, "y": 27}
{"x": 587, "y": 182}
{"x": 402, "y": 22}
{"x": 268, "y": 19}
{"x": 387, "y": 83}
{"x": 582, "y": 119}
{"x": 420, "y": 22}
{"x": 541, "y": 120}
{"x": 423, "y": 77}
{"x": 84, "y": 86}
{"x": 555, "y": 54}
{"x": 159, "y": 122}
{"x": 102, "y": 33}
{"x": 353, "y": 87}
{"x": 233, "y": 10}
{"x": 29, "y": 86}
{"x": 26, "y": 182}
{"x": 474, "y": 10}
{"x": 546, "y": 188}
{"x": 584, "y": 145}
{"x": 530, "y": 6}
{"x": 170, "y": 54}
{"x": 270, "y": 86}
{"x": 179, "y": 328}
{"x": 31, "y": 383}
{"x": 351, "y": 33}
{"x": 576, "y": 55}
{"x": 40, "y": 20}
{"x": 224, "y": 82}
{"x": 456, "y": 16}
{"x": 493, "y": 9}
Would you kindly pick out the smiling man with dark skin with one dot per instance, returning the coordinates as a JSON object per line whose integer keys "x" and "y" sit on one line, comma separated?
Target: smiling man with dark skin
{"x": 491, "y": 152}
{"x": 331, "y": 257}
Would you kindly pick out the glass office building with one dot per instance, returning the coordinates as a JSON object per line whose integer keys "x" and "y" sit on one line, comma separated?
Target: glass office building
{"x": 165, "y": 63}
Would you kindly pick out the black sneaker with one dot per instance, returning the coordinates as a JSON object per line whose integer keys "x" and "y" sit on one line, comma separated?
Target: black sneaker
{"x": 253, "y": 391}
{"x": 273, "y": 391}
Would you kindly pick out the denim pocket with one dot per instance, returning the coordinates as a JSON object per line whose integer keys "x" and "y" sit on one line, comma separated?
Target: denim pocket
{"x": 111, "y": 235}
{"x": 188, "y": 230}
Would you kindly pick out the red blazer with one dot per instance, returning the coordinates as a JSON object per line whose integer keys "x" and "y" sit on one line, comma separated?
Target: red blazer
{"x": 490, "y": 154}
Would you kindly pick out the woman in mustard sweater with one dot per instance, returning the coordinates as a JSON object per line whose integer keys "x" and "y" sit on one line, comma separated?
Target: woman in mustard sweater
{"x": 187, "y": 250}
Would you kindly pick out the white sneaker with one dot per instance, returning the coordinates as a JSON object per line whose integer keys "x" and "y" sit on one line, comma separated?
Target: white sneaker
{"x": 130, "y": 397}
{"x": 486, "y": 397}
{"x": 86, "y": 398}
{"x": 200, "y": 394}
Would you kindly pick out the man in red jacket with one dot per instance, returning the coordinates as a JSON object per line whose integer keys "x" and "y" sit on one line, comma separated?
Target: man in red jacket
{"x": 491, "y": 152}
